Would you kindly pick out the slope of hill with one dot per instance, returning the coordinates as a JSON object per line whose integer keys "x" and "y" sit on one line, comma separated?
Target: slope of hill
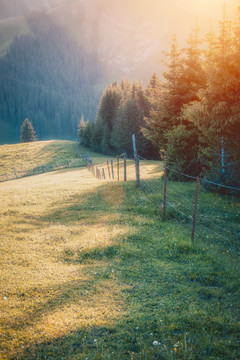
{"x": 15, "y": 8}
{"x": 49, "y": 79}
{"x": 89, "y": 270}
{"x": 127, "y": 36}
{"x": 9, "y": 28}
{"x": 27, "y": 156}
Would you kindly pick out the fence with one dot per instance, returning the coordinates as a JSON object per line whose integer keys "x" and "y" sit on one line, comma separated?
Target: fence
{"x": 199, "y": 211}
{"x": 16, "y": 173}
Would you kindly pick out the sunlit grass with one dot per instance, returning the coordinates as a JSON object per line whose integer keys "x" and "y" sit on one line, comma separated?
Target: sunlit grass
{"x": 89, "y": 270}
{"x": 43, "y": 219}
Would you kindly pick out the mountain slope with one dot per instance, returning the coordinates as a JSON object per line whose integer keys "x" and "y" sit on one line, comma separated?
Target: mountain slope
{"x": 49, "y": 79}
{"x": 14, "y": 8}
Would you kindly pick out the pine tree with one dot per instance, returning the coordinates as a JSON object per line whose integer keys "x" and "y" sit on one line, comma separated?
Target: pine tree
{"x": 27, "y": 133}
{"x": 168, "y": 102}
{"x": 166, "y": 124}
{"x": 105, "y": 118}
{"x": 85, "y": 132}
{"x": 81, "y": 127}
{"x": 216, "y": 112}
{"x": 105, "y": 143}
{"x": 97, "y": 134}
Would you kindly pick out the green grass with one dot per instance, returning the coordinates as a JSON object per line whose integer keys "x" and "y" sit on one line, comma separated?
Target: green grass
{"x": 90, "y": 271}
{"x": 28, "y": 156}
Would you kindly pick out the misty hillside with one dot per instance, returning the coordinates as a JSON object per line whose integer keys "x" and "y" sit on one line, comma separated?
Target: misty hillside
{"x": 54, "y": 68}
{"x": 46, "y": 77}
{"x": 127, "y": 42}
{"x": 13, "y": 8}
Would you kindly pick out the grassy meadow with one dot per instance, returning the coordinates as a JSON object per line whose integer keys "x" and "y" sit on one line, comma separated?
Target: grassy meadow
{"x": 89, "y": 270}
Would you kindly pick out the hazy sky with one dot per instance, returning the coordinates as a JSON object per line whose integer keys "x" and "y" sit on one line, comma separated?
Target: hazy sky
{"x": 179, "y": 16}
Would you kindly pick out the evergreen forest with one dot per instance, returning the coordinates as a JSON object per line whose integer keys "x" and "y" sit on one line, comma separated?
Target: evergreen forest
{"x": 48, "y": 79}
{"x": 190, "y": 117}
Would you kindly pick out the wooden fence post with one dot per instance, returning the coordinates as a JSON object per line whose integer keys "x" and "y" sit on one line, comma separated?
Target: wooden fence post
{"x": 135, "y": 155}
{"x": 125, "y": 167}
{"x": 103, "y": 173}
{"x": 112, "y": 169}
{"x": 15, "y": 173}
{"x": 138, "y": 171}
{"x": 109, "y": 175}
{"x": 164, "y": 194}
{"x": 118, "y": 167}
{"x": 195, "y": 209}
{"x": 134, "y": 146}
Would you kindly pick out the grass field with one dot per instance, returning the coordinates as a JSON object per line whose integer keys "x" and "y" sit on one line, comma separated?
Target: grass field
{"x": 28, "y": 156}
{"x": 90, "y": 271}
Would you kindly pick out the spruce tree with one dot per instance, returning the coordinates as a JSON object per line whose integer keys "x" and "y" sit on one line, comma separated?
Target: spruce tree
{"x": 216, "y": 112}
{"x": 166, "y": 106}
{"x": 27, "y": 133}
{"x": 85, "y": 132}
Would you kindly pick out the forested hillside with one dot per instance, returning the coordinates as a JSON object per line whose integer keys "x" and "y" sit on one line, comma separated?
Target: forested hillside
{"x": 46, "y": 77}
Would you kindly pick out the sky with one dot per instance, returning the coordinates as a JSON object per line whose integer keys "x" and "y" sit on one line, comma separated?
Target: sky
{"x": 179, "y": 16}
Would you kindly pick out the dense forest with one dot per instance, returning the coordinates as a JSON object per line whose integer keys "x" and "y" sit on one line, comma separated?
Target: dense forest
{"x": 47, "y": 78}
{"x": 192, "y": 116}
{"x": 120, "y": 114}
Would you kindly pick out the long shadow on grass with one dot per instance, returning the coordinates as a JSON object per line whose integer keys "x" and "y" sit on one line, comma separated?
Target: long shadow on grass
{"x": 166, "y": 301}
{"x": 174, "y": 294}
{"x": 88, "y": 206}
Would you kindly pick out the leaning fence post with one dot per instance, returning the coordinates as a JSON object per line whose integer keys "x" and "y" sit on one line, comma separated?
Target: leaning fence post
{"x": 125, "y": 167}
{"x": 112, "y": 169}
{"x": 164, "y": 193}
{"x": 195, "y": 209}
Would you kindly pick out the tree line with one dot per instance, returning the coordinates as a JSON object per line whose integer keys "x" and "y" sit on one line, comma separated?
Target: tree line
{"x": 190, "y": 117}
{"x": 120, "y": 113}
